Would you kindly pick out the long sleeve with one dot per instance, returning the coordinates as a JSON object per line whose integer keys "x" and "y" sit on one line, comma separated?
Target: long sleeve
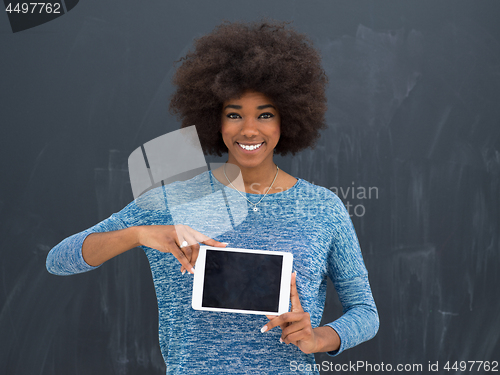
{"x": 66, "y": 257}
{"x": 360, "y": 320}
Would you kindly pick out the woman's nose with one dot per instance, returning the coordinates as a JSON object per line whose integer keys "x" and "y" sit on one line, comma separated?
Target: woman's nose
{"x": 249, "y": 128}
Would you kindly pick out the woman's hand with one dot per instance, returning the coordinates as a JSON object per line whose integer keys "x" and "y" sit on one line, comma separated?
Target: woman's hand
{"x": 180, "y": 240}
{"x": 296, "y": 327}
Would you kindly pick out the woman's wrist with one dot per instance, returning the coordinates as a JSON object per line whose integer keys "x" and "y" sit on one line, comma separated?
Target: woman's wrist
{"x": 135, "y": 233}
{"x": 326, "y": 339}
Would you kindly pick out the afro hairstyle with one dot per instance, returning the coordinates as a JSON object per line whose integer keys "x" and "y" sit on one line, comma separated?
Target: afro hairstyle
{"x": 264, "y": 56}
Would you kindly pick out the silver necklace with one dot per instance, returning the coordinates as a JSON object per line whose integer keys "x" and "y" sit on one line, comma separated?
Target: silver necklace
{"x": 253, "y": 204}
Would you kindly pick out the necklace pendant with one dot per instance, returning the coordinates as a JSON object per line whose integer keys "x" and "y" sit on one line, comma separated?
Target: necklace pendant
{"x": 255, "y": 209}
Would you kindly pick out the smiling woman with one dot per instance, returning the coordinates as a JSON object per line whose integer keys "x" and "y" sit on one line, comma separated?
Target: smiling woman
{"x": 252, "y": 90}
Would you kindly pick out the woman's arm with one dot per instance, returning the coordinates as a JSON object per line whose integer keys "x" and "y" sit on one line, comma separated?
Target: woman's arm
{"x": 346, "y": 268}
{"x": 100, "y": 247}
{"x": 66, "y": 258}
{"x": 88, "y": 250}
{"x": 360, "y": 320}
{"x": 97, "y": 248}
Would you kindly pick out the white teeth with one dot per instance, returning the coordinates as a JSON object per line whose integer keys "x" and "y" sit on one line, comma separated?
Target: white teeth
{"x": 251, "y": 147}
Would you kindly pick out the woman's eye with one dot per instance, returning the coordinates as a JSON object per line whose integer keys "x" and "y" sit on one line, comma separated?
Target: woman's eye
{"x": 232, "y": 115}
{"x": 267, "y": 115}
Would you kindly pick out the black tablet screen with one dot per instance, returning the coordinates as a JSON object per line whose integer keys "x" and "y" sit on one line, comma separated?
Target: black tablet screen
{"x": 242, "y": 281}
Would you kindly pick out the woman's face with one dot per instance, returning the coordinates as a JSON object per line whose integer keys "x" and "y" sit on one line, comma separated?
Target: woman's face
{"x": 250, "y": 129}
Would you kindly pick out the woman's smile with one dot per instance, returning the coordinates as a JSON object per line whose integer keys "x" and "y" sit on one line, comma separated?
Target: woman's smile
{"x": 250, "y": 147}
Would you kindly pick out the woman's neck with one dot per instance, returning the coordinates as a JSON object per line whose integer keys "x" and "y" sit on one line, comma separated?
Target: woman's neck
{"x": 255, "y": 180}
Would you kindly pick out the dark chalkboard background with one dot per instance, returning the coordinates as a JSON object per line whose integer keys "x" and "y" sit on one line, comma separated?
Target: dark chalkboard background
{"x": 414, "y": 114}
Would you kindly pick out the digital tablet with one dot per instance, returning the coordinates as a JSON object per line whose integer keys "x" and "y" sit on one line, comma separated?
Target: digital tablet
{"x": 242, "y": 281}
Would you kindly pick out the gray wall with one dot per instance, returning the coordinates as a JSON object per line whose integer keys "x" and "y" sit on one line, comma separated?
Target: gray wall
{"x": 413, "y": 114}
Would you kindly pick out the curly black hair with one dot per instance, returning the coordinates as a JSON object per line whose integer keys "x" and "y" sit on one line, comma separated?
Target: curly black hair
{"x": 263, "y": 56}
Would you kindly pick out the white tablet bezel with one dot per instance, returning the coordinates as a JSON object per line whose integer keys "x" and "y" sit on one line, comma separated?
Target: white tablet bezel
{"x": 286, "y": 273}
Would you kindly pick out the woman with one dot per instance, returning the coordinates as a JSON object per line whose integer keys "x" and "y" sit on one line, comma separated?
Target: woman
{"x": 252, "y": 90}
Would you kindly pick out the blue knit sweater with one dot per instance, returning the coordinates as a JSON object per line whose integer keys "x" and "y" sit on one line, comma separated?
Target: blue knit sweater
{"x": 309, "y": 221}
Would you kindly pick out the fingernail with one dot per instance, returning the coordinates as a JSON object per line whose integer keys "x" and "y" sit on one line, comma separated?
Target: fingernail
{"x": 281, "y": 340}
{"x": 192, "y": 270}
{"x": 183, "y": 272}
{"x": 263, "y": 329}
